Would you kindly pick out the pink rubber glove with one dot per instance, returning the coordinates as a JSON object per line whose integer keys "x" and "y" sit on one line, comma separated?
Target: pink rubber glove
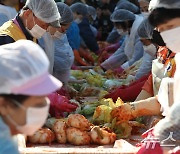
{"x": 118, "y": 70}
{"x": 113, "y": 47}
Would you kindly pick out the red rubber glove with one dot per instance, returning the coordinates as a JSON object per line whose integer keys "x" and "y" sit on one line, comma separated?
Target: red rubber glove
{"x": 79, "y": 59}
{"x": 60, "y": 104}
{"x": 86, "y": 55}
{"x": 63, "y": 92}
{"x": 128, "y": 92}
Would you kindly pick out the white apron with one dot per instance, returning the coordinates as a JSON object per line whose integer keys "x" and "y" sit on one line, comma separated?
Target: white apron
{"x": 166, "y": 95}
{"x": 158, "y": 71}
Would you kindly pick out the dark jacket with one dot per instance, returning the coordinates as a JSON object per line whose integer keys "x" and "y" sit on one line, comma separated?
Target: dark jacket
{"x": 87, "y": 35}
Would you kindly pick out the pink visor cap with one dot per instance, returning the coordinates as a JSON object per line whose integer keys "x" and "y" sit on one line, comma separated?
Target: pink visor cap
{"x": 24, "y": 70}
{"x": 40, "y": 86}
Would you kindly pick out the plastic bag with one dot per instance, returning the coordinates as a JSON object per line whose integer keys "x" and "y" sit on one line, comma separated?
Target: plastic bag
{"x": 112, "y": 83}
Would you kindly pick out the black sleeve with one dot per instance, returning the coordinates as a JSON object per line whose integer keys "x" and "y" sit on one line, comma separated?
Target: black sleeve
{"x": 88, "y": 37}
{"x": 113, "y": 36}
{"x": 6, "y": 39}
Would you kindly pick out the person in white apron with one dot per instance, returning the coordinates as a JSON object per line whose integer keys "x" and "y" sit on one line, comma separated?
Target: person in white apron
{"x": 132, "y": 48}
{"x": 162, "y": 67}
{"x": 165, "y": 63}
{"x": 145, "y": 32}
{"x": 157, "y": 104}
{"x": 114, "y": 35}
{"x": 166, "y": 17}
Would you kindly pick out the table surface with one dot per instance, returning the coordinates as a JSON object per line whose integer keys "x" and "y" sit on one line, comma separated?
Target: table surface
{"x": 120, "y": 146}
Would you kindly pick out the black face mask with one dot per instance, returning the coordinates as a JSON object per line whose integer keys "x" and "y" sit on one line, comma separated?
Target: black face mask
{"x": 156, "y": 38}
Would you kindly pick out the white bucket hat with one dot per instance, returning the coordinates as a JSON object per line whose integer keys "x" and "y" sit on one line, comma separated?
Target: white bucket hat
{"x": 24, "y": 70}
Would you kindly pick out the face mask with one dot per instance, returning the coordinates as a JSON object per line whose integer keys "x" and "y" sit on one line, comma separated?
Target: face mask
{"x": 78, "y": 21}
{"x": 150, "y": 49}
{"x": 36, "y": 31}
{"x": 57, "y": 34}
{"x": 35, "y": 118}
{"x": 121, "y": 32}
{"x": 172, "y": 39}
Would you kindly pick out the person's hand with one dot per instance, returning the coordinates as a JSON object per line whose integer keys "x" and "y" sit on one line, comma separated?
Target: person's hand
{"x": 118, "y": 70}
{"x": 124, "y": 112}
{"x": 64, "y": 105}
{"x": 79, "y": 59}
{"x": 102, "y": 68}
{"x": 113, "y": 47}
{"x": 61, "y": 103}
{"x": 84, "y": 53}
{"x": 102, "y": 57}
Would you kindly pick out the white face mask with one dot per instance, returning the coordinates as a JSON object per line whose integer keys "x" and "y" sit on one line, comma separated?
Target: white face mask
{"x": 172, "y": 39}
{"x": 121, "y": 32}
{"x": 150, "y": 49}
{"x": 36, "y": 31}
{"x": 35, "y": 118}
{"x": 57, "y": 34}
{"x": 78, "y": 21}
